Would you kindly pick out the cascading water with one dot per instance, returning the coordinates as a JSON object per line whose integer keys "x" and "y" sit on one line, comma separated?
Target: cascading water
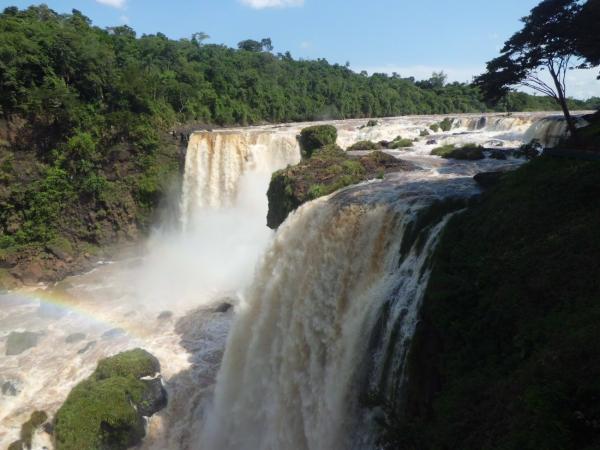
{"x": 295, "y": 359}
{"x": 216, "y": 164}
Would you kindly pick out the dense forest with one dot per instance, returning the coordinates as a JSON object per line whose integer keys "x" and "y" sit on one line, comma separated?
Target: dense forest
{"x": 88, "y": 117}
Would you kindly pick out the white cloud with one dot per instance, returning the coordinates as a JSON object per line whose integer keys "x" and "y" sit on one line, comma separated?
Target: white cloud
{"x": 114, "y": 3}
{"x": 581, "y": 84}
{"x": 262, "y": 4}
{"x": 124, "y": 19}
{"x": 305, "y": 44}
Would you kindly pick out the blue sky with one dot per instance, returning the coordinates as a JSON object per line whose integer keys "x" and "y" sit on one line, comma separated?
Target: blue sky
{"x": 411, "y": 37}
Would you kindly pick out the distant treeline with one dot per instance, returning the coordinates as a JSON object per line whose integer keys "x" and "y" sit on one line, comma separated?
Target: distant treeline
{"x": 59, "y": 71}
{"x": 84, "y": 114}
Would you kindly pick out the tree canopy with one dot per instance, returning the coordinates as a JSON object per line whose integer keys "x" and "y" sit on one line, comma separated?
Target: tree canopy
{"x": 546, "y": 43}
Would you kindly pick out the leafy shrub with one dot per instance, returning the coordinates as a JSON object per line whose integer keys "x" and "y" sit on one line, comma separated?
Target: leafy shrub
{"x": 446, "y": 124}
{"x": 316, "y": 137}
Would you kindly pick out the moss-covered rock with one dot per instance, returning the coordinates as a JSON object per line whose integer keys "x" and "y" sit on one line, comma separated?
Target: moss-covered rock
{"x": 506, "y": 354}
{"x": 106, "y": 410}
{"x": 316, "y": 137}
{"x": 469, "y": 152}
{"x": 400, "y": 142}
{"x": 328, "y": 170}
{"x": 446, "y": 124}
{"x": 364, "y": 145}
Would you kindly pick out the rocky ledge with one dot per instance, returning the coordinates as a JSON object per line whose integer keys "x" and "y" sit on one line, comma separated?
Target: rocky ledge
{"x": 326, "y": 170}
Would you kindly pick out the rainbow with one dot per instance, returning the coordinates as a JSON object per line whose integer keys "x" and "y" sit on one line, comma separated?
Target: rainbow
{"x": 70, "y": 303}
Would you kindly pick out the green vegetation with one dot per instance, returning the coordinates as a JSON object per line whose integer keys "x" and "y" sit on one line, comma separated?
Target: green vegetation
{"x": 466, "y": 152}
{"x": 506, "y": 352}
{"x": 364, "y": 145}
{"x": 424, "y": 133}
{"x": 434, "y": 127}
{"x": 103, "y": 411}
{"x": 316, "y": 137}
{"x": 328, "y": 170}
{"x": 446, "y": 124}
{"x": 551, "y": 36}
{"x": 400, "y": 142}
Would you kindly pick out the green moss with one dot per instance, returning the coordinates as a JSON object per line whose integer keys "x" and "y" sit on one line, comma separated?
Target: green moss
{"x": 137, "y": 363}
{"x": 466, "y": 152}
{"x": 316, "y": 137}
{"x": 424, "y": 133}
{"x": 364, "y": 145}
{"x": 101, "y": 412}
{"x": 506, "y": 355}
{"x": 399, "y": 142}
{"x": 435, "y": 127}
{"x": 329, "y": 170}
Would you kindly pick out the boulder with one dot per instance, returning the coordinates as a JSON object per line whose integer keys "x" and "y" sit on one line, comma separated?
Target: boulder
{"x": 154, "y": 397}
{"x": 75, "y": 337}
{"x": 113, "y": 333}
{"x": 18, "y": 342}
{"x": 10, "y": 388}
{"x": 223, "y": 307}
{"x": 431, "y": 142}
{"x": 107, "y": 409}
{"x": 498, "y": 154}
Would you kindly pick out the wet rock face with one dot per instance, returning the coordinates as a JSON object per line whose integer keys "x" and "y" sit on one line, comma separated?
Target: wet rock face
{"x": 154, "y": 397}
{"x": 10, "y": 388}
{"x": 19, "y": 342}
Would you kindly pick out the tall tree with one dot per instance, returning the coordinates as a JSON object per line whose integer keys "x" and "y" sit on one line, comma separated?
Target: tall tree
{"x": 546, "y": 43}
{"x": 587, "y": 39}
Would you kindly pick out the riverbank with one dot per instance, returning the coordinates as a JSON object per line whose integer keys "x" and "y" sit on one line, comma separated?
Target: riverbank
{"x": 506, "y": 352}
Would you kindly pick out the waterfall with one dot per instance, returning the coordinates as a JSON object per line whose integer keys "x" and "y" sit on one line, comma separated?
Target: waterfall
{"x": 302, "y": 347}
{"x": 548, "y": 131}
{"x": 216, "y": 163}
